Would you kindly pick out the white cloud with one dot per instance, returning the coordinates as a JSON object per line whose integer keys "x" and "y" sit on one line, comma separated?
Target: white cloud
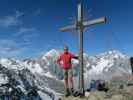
{"x": 24, "y": 36}
{"x": 24, "y": 30}
{"x": 29, "y": 38}
{"x": 11, "y": 48}
{"x": 19, "y": 14}
{"x": 11, "y": 20}
{"x": 27, "y": 35}
{"x": 8, "y": 47}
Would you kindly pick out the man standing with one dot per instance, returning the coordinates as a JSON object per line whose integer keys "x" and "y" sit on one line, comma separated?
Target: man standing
{"x": 64, "y": 62}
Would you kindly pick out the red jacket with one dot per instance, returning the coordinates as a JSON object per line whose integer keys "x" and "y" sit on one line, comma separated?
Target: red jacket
{"x": 66, "y": 58}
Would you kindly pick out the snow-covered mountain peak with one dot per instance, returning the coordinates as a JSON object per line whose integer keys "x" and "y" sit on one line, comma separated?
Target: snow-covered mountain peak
{"x": 113, "y": 53}
{"x": 4, "y": 61}
{"x": 11, "y": 63}
{"x": 108, "y": 64}
{"x": 52, "y": 52}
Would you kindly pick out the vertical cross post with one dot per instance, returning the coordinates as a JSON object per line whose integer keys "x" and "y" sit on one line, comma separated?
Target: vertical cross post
{"x": 80, "y": 30}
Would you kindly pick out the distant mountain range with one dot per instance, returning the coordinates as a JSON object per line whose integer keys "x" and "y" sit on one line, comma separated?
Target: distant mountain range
{"x": 44, "y": 78}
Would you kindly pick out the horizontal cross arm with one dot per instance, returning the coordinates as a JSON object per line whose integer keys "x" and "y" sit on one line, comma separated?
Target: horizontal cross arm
{"x": 94, "y": 22}
{"x": 85, "y": 24}
{"x": 68, "y": 28}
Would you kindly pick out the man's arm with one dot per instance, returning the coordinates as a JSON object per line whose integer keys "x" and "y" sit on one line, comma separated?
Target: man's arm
{"x": 76, "y": 57}
{"x": 59, "y": 60}
{"x": 73, "y": 56}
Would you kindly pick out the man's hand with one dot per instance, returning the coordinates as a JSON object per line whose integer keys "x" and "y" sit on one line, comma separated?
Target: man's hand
{"x": 55, "y": 62}
{"x": 58, "y": 63}
{"x": 76, "y": 57}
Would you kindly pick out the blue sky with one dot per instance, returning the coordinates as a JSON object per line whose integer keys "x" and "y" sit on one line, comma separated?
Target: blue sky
{"x": 29, "y": 28}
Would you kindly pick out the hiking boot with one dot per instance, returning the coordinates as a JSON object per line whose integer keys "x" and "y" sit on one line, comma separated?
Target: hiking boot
{"x": 67, "y": 93}
{"x": 76, "y": 94}
{"x": 72, "y": 91}
{"x": 82, "y": 95}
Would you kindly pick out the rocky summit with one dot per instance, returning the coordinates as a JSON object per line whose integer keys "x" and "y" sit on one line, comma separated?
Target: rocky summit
{"x": 119, "y": 89}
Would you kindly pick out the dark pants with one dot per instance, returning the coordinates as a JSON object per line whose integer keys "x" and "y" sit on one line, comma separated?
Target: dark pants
{"x": 68, "y": 80}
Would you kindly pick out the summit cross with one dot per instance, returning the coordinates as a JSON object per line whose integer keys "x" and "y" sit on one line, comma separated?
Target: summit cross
{"x": 80, "y": 26}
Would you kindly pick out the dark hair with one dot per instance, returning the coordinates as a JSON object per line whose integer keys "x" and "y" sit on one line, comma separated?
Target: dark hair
{"x": 66, "y": 47}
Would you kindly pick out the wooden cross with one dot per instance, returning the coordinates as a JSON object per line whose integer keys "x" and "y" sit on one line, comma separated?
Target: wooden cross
{"x": 80, "y": 25}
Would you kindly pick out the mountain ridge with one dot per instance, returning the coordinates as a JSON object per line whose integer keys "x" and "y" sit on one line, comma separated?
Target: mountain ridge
{"x": 44, "y": 74}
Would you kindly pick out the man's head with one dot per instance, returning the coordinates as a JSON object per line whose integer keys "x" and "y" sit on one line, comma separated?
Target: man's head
{"x": 66, "y": 49}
